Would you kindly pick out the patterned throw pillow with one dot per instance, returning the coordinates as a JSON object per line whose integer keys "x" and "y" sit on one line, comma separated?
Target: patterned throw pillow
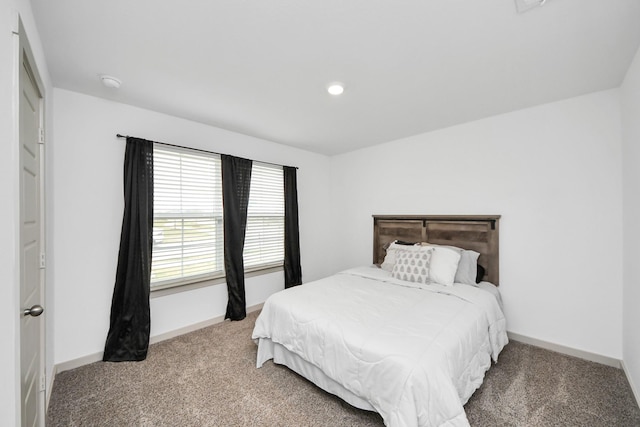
{"x": 390, "y": 257}
{"x": 412, "y": 266}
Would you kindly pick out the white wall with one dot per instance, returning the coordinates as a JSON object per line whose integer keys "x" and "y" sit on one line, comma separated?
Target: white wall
{"x": 553, "y": 172}
{"x": 630, "y": 95}
{"x": 9, "y": 213}
{"x": 88, "y": 165}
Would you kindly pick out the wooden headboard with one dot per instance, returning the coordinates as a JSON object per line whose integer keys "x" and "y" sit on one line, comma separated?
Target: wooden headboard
{"x": 473, "y": 232}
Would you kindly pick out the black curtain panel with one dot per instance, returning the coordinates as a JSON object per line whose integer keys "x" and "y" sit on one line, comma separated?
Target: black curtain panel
{"x": 236, "y": 182}
{"x": 292, "y": 268}
{"x": 128, "y": 337}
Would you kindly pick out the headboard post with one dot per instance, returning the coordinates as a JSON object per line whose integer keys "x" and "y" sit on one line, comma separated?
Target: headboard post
{"x": 479, "y": 233}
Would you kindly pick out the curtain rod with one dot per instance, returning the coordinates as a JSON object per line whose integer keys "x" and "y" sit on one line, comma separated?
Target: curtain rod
{"x": 195, "y": 149}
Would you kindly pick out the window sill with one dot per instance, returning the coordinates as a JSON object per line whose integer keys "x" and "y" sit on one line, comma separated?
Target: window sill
{"x": 210, "y": 281}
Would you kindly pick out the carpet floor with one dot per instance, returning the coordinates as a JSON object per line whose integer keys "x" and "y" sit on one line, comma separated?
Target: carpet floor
{"x": 208, "y": 378}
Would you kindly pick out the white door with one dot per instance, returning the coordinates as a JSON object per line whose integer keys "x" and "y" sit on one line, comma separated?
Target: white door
{"x": 31, "y": 232}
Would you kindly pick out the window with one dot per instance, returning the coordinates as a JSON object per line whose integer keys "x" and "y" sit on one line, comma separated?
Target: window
{"x": 264, "y": 238}
{"x": 188, "y": 233}
{"x": 187, "y": 217}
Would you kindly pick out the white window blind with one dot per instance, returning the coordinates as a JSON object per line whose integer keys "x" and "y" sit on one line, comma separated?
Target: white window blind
{"x": 187, "y": 217}
{"x": 264, "y": 239}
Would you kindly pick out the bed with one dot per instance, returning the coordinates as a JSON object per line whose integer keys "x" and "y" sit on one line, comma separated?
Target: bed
{"x": 413, "y": 352}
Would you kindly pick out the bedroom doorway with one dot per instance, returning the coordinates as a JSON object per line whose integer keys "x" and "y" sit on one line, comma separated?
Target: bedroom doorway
{"x": 32, "y": 324}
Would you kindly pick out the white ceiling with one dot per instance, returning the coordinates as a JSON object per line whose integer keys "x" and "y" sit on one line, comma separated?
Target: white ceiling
{"x": 409, "y": 66}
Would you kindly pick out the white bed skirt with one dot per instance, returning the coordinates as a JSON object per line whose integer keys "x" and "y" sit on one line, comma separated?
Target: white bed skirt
{"x": 268, "y": 349}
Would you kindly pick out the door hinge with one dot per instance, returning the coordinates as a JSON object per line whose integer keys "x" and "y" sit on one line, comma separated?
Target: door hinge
{"x": 43, "y": 262}
{"x": 43, "y": 382}
{"x": 41, "y": 136}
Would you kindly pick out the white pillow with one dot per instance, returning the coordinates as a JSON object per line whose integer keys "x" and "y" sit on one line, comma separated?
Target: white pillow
{"x": 444, "y": 265}
{"x": 467, "y": 267}
{"x": 412, "y": 265}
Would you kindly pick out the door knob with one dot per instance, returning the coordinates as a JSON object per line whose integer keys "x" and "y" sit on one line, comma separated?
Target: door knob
{"x": 34, "y": 311}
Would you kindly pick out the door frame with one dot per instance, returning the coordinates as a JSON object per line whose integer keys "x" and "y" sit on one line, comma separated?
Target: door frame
{"x": 23, "y": 52}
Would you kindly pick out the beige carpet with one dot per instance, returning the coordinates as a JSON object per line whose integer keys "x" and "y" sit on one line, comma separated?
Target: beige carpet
{"x": 208, "y": 378}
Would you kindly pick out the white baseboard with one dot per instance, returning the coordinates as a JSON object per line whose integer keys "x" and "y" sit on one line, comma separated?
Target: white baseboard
{"x": 636, "y": 392}
{"x": 76, "y": 363}
{"x": 96, "y": 357}
{"x": 593, "y": 357}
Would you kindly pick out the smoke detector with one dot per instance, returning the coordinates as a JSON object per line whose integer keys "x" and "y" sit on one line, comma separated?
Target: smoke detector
{"x": 526, "y": 5}
{"x": 110, "y": 81}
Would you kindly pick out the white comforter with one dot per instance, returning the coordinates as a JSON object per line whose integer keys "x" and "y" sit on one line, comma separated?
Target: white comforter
{"x": 416, "y": 353}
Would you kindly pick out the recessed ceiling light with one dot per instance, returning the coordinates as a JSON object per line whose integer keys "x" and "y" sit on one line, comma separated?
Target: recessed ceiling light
{"x": 110, "y": 82}
{"x": 335, "y": 88}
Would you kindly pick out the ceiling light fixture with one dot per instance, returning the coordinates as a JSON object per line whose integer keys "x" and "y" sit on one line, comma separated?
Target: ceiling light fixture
{"x": 335, "y": 89}
{"x": 527, "y": 5}
{"x": 110, "y": 82}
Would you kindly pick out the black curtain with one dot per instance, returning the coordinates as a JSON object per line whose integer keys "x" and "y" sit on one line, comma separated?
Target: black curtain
{"x": 236, "y": 182}
{"x": 292, "y": 268}
{"x": 128, "y": 337}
